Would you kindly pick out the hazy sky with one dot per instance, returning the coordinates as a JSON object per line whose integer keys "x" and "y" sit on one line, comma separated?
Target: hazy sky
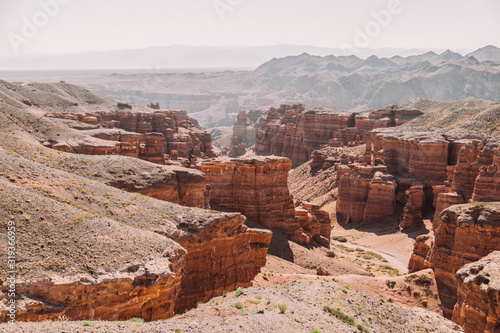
{"x": 66, "y": 26}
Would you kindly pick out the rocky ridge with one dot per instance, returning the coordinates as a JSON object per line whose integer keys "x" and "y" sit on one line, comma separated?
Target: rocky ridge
{"x": 294, "y": 132}
{"x": 258, "y": 188}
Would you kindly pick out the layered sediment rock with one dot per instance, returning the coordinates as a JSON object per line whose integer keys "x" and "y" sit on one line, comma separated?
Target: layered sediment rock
{"x": 244, "y": 131}
{"x": 291, "y": 131}
{"x": 487, "y": 186}
{"x": 478, "y": 305}
{"x": 421, "y": 249}
{"x": 114, "y": 255}
{"x": 257, "y": 187}
{"x": 414, "y": 206}
{"x": 366, "y": 193}
{"x": 474, "y": 177}
{"x": 315, "y": 222}
{"x": 224, "y": 254}
{"x": 418, "y": 155}
{"x": 431, "y": 169}
{"x": 163, "y": 131}
{"x": 465, "y": 234}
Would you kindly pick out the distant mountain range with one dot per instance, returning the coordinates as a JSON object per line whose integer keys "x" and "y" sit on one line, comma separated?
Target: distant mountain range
{"x": 343, "y": 82}
{"x": 182, "y": 56}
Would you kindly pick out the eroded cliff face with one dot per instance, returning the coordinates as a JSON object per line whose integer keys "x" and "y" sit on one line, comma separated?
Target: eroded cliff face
{"x": 293, "y": 132}
{"x": 474, "y": 177}
{"x": 478, "y": 305}
{"x": 153, "y": 134}
{"x": 224, "y": 254}
{"x": 465, "y": 234}
{"x": 431, "y": 171}
{"x": 257, "y": 187}
{"x": 114, "y": 255}
{"x": 366, "y": 193}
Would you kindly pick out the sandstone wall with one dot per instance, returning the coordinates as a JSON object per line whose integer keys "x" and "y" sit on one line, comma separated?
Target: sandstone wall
{"x": 474, "y": 178}
{"x": 222, "y": 256}
{"x": 293, "y": 132}
{"x": 366, "y": 193}
{"x": 114, "y": 255}
{"x": 163, "y": 132}
{"x": 465, "y": 234}
{"x": 258, "y": 188}
{"x": 478, "y": 304}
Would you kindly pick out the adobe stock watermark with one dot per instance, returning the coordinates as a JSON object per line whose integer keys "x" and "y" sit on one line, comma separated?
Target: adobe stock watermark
{"x": 11, "y": 271}
{"x": 48, "y": 9}
{"x": 373, "y": 28}
{"x": 223, "y": 6}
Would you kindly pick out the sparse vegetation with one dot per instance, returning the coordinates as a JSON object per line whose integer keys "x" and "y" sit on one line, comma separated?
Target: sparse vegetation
{"x": 340, "y": 315}
{"x": 239, "y": 305}
{"x": 363, "y": 329}
{"x": 136, "y": 320}
{"x": 282, "y": 308}
{"x": 390, "y": 283}
{"x": 239, "y": 292}
{"x": 87, "y": 323}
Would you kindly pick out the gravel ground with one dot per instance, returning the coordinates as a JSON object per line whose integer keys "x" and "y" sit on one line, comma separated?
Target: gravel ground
{"x": 260, "y": 312}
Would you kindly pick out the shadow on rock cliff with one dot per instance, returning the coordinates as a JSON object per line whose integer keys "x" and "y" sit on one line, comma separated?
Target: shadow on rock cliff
{"x": 279, "y": 247}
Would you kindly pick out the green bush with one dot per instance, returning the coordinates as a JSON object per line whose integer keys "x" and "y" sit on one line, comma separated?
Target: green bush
{"x": 390, "y": 283}
{"x": 423, "y": 280}
{"x": 136, "y": 320}
{"x": 315, "y": 331}
{"x": 362, "y": 329}
{"x": 340, "y": 315}
{"x": 282, "y": 308}
{"x": 239, "y": 292}
{"x": 87, "y": 323}
{"x": 239, "y": 305}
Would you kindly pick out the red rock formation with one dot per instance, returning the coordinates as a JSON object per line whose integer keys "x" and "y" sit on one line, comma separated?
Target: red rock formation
{"x": 222, "y": 254}
{"x": 180, "y": 132}
{"x": 419, "y": 155}
{"x": 152, "y": 150}
{"x": 473, "y": 178}
{"x": 318, "y": 224}
{"x": 477, "y": 309}
{"x": 148, "y": 292}
{"x": 154, "y": 106}
{"x": 162, "y": 261}
{"x": 129, "y": 142}
{"x": 414, "y": 206}
{"x": 366, "y": 193}
{"x": 258, "y": 188}
{"x": 317, "y": 159}
{"x": 244, "y": 131}
{"x": 465, "y": 234}
{"x": 183, "y": 186}
{"x": 293, "y": 132}
{"x": 487, "y": 186}
{"x": 421, "y": 249}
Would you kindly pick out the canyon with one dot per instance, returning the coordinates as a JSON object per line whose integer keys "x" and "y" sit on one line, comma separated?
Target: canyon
{"x": 111, "y": 254}
{"x": 145, "y": 221}
{"x": 294, "y": 132}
